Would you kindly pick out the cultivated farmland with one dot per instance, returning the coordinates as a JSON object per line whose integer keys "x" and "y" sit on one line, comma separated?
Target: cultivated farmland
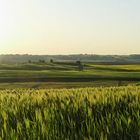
{"x": 81, "y": 114}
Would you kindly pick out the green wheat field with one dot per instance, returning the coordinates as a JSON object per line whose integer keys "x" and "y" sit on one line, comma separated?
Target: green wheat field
{"x": 111, "y": 113}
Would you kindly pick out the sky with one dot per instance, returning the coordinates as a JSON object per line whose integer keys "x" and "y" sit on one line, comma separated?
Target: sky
{"x": 69, "y": 26}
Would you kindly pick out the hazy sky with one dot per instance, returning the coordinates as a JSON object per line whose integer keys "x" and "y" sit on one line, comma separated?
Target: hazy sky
{"x": 69, "y": 26}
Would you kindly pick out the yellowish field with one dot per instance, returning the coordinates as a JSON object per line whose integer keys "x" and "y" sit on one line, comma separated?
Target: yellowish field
{"x": 84, "y": 113}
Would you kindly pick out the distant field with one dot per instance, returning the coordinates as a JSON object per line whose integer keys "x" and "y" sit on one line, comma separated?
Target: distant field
{"x": 68, "y": 72}
{"x": 50, "y": 85}
{"x": 68, "y": 66}
{"x": 135, "y": 68}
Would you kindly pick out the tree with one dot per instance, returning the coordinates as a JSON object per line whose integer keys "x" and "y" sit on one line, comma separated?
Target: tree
{"x": 29, "y": 61}
{"x": 41, "y": 61}
{"x": 78, "y": 62}
{"x": 80, "y": 66}
{"x": 51, "y": 61}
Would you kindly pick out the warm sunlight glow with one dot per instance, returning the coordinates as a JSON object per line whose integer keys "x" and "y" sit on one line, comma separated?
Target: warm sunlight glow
{"x": 67, "y": 27}
{"x": 5, "y": 21}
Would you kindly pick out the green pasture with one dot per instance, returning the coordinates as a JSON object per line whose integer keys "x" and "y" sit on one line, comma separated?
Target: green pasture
{"x": 68, "y": 72}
